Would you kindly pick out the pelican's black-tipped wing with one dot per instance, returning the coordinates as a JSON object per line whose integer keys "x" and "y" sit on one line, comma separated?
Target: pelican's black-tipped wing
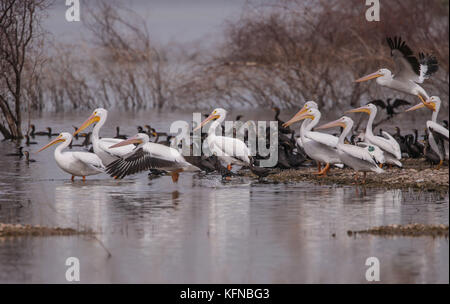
{"x": 428, "y": 66}
{"x": 137, "y": 162}
{"x": 378, "y": 103}
{"x": 403, "y": 56}
{"x": 400, "y": 102}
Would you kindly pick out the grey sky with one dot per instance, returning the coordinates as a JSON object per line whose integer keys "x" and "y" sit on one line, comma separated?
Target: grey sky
{"x": 168, "y": 20}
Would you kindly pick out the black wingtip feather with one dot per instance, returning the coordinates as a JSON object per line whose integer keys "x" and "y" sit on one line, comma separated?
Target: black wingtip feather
{"x": 402, "y": 47}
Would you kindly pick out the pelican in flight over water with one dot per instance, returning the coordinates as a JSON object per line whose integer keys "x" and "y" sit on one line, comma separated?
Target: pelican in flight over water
{"x": 102, "y": 147}
{"x": 75, "y": 163}
{"x": 387, "y": 143}
{"x": 319, "y": 146}
{"x": 147, "y": 155}
{"x": 410, "y": 70}
{"x": 435, "y": 129}
{"x": 356, "y": 157}
{"x": 228, "y": 149}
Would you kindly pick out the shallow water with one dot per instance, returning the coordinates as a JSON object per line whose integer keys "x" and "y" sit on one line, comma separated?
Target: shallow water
{"x": 203, "y": 230}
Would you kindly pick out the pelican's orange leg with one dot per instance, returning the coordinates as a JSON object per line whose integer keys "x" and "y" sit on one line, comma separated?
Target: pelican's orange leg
{"x": 319, "y": 168}
{"x": 229, "y": 167}
{"x": 84, "y": 178}
{"x": 324, "y": 171}
{"x": 175, "y": 175}
{"x": 72, "y": 178}
{"x": 440, "y": 164}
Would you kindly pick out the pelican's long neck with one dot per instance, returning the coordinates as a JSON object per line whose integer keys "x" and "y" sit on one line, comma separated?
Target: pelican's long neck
{"x": 347, "y": 129}
{"x": 303, "y": 127}
{"x": 435, "y": 113}
{"x": 372, "y": 115}
{"x": 313, "y": 122}
{"x": 97, "y": 127}
{"x": 216, "y": 123}
{"x": 59, "y": 149}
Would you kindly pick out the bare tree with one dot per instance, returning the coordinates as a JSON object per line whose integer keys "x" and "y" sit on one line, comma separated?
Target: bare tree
{"x": 19, "y": 22}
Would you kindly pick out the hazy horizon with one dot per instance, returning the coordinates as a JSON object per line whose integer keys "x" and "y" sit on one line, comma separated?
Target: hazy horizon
{"x": 168, "y": 21}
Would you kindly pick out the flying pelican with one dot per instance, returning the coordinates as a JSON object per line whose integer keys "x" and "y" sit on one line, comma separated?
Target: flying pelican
{"x": 319, "y": 146}
{"x": 387, "y": 143}
{"x": 410, "y": 71}
{"x": 102, "y": 147}
{"x": 227, "y": 149}
{"x": 435, "y": 129}
{"x": 147, "y": 155}
{"x": 75, "y": 163}
{"x": 356, "y": 157}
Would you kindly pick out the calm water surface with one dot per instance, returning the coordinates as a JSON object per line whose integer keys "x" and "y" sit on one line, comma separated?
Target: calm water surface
{"x": 203, "y": 230}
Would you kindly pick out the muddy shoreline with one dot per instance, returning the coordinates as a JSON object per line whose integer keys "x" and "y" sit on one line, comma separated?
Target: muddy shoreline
{"x": 416, "y": 174}
{"x": 405, "y": 230}
{"x": 12, "y": 230}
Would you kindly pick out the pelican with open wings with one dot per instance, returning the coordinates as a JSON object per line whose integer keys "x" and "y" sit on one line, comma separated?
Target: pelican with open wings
{"x": 410, "y": 70}
{"x": 387, "y": 143}
{"x": 102, "y": 146}
{"x": 75, "y": 163}
{"x": 228, "y": 149}
{"x": 319, "y": 146}
{"x": 360, "y": 158}
{"x": 436, "y": 131}
{"x": 147, "y": 155}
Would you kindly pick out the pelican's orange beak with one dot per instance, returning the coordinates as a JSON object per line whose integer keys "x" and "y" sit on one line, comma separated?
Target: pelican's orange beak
{"x": 129, "y": 141}
{"x": 416, "y": 107}
{"x": 207, "y": 119}
{"x": 429, "y": 104}
{"x": 336, "y": 123}
{"x": 368, "y": 77}
{"x": 55, "y": 141}
{"x": 92, "y": 119}
{"x": 361, "y": 109}
{"x": 302, "y": 114}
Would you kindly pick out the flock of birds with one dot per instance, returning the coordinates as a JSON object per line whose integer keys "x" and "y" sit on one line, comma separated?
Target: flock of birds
{"x": 366, "y": 152}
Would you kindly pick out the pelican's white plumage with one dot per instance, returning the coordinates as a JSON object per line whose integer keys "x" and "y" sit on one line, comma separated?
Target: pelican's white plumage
{"x": 434, "y": 128}
{"x": 387, "y": 143}
{"x": 410, "y": 70}
{"x": 74, "y": 162}
{"x": 228, "y": 149}
{"x": 358, "y": 158}
{"x": 320, "y": 147}
{"x": 102, "y": 145}
{"x": 147, "y": 155}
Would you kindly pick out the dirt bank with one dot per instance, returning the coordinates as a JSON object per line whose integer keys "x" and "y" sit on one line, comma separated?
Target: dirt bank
{"x": 415, "y": 174}
{"x": 28, "y": 230}
{"x": 405, "y": 230}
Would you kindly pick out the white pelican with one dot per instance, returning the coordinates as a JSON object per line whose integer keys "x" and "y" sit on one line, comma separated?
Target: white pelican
{"x": 147, "y": 155}
{"x": 102, "y": 147}
{"x": 435, "y": 129}
{"x": 75, "y": 163}
{"x": 229, "y": 150}
{"x": 387, "y": 143}
{"x": 319, "y": 146}
{"x": 409, "y": 70}
{"x": 308, "y": 105}
{"x": 358, "y": 158}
